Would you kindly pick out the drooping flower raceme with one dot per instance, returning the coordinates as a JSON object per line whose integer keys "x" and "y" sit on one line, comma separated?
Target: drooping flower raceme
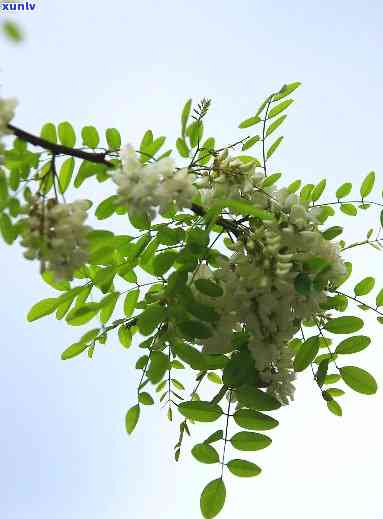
{"x": 276, "y": 278}
{"x": 55, "y": 234}
{"x": 146, "y": 188}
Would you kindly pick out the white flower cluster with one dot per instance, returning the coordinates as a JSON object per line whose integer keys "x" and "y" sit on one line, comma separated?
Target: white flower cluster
{"x": 259, "y": 282}
{"x": 229, "y": 178}
{"x": 55, "y": 234}
{"x": 146, "y": 188}
{"x": 7, "y": 112}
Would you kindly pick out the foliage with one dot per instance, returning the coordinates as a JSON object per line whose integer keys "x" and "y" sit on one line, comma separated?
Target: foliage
{"x": 226, "y": 274}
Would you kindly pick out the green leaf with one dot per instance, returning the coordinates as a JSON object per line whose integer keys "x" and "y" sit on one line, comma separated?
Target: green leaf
{"x": 201, "y": 311}
{"x": 75, "y": 349}
{"x": 250, "y": 441}
{"x": 106, "y": 208}
{"x": 286, "y": 90}
{"x": 321, "y": 373}
{"x": 216, "y": 379}
{"x": 113, "y": 138}
{"x": 303, "y": 283}
{"x": 245, "y": 208}
{"x": 359, "y": 380}
{"x": 159, "y": 364}
{"x": 49, "y": 278}
{"x": 243, "y": 468}
{"x": 367, "y": 184}
{"x": 334, "y": 407}
{"x": 215, "y": 437}
{"x": 132, "y": 417}
{"x": 200, "y": 411}
{"x": 194, "y": 329}
{"x": 190, "y": 355}
{"x": 67, "y": 134}
{"x": 139, "y": 221}
{"x": 131, "y": 302}
{"x": 318, "y": 190}
{"x": 90, "y": 136}
{"x": 107, "y": 305}
{"x": 7, "y": 229}
{"x": 208, "y": 288}
{"x": 125, "y": 336}
{"x": 145, "y": 399}
{"x": 195, "y": 131}
{"x": 43, "y": 308}
{"x": 251, "y": 121}
{"x": 349, "y": 209}
{"x": 163, "y": 262}
{"x": 82, "y": 314}
{"x": 151, "y": 318}
{"x": 379, "y": 299}
{"x": 364, "y": 287}
{"x": 12, "y": 31}
{"x": 250, "y": 142}
{"x": 271, "y": 179}
{"x": 276, "y": 124}
{"x": 213, "y": 498}
{"x": 239, "y": 369}
{"x": 305, "y": 194}
{"x": 279, "y": 108}
{"x": 306, "y": 353}
{"x": 332, "y": 232}
{"x": 205, "y": 453}
{"x": 335, "y": 392}
{"x": 254, "y": 398}
{"x": 182, "y": 147}
{"x": 294, "y": 186}
{"x": 273, "y": 147}
{"x": 345, "y": 324}
{"x": 48, "y": 132}
{"x": 332, "y": 378}
{"x": 254, "y": 420}
{"x": 65, "y": 175}
{"x": 185, "y": 116}
{"x": 3, "y": 187}
{"x": 344, "y": 190}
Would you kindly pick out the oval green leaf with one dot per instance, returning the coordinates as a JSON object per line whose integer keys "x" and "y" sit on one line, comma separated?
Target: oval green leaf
{"x": 249, "y": 441}
{"x": 200, "y": 411}
{"x": 213, "y": 498}
{"x": 359, "y": 380}
{"x": 243, "y": 468}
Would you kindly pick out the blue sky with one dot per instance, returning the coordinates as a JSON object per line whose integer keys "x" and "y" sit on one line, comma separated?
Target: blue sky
{"x": 64, "y": 451}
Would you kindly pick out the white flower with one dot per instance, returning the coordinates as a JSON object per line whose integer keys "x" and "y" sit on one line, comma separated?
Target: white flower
{"x": 7, "y": 113}
{"x": 146, "y": 188}
{"x": 55, "y": 234}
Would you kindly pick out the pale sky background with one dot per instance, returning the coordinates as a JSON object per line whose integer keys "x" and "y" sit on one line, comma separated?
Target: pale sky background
{"x": 64, "y": 451}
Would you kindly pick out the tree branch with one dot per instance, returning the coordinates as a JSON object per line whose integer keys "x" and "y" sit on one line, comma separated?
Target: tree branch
{"x": 99, "y": 158}
{"x": 59, "y": 149}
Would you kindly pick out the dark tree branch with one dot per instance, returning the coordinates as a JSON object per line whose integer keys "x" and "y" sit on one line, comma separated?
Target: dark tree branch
{"x": 59, "y": 149}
